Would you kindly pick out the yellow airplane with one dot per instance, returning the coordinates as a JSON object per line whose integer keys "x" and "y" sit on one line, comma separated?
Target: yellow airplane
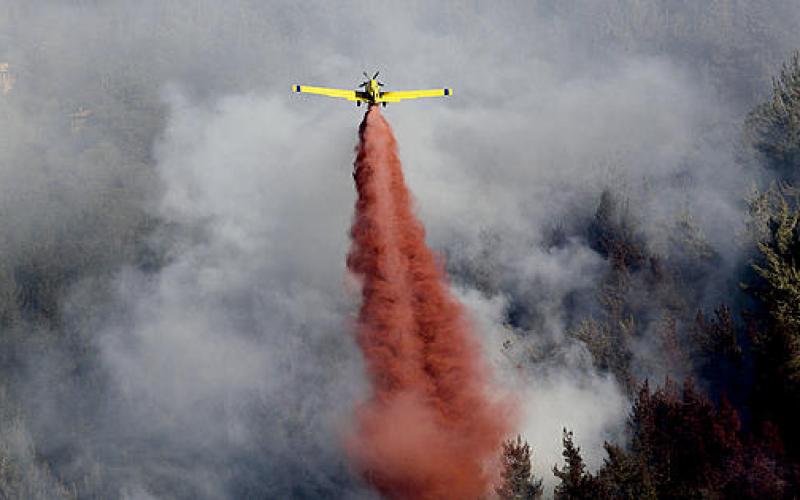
{"x": 372, "y": 92}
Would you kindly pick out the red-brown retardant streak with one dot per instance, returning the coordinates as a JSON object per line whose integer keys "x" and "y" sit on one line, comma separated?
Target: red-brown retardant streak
{"x": 430, "y": 429}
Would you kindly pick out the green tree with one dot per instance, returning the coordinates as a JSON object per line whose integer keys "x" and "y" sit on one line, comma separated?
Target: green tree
{"x": 780, "y": 263}
{"x": 774, "y": 127}
{"x": 576, "y": 482}
{"x": 624, "y": 476}
{"x": 716, "y": 336}
{"x": 775, "y": 284}
{"x": 518, "y": 480}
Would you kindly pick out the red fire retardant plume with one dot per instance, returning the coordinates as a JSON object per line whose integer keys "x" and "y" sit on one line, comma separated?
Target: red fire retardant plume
{"x": 430, "y": 429}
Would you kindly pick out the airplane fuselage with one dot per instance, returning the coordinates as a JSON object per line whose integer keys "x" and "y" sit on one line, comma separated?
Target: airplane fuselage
{"x": 373, "y": 91}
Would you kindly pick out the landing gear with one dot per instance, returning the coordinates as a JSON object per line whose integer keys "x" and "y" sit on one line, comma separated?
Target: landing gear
{"x": 384, "y": 104}
{"x": 358, "y": 104}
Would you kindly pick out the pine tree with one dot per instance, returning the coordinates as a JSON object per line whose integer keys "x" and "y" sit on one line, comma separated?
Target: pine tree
{"x": 684, "y": 447}
{"x": 774, "y": 126}
{"x": 716, "y": 338}
{"x": 775, "y": 223}
{"x": 780, "y": 267}
{"x": 625, "y": 476}
{"x": 614, "y": 232}
{"x": 576, "y": 482}
{"x": 518, "y": 481}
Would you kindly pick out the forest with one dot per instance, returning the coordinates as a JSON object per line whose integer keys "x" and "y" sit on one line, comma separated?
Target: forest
{"x": 173, "y": 307}
{"x": 726, "y": 429}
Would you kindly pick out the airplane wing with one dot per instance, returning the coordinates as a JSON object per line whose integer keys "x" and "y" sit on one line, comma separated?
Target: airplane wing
{"x": 397, "y": 96}
{"x": 350, "y": 95}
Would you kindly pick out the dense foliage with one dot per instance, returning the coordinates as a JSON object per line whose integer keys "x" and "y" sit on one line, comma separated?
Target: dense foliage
{"x": 518, "y": 482}
{"x": 737, "y": 437}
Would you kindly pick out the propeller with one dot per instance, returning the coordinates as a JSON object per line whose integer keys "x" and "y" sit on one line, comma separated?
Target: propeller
{"x": 366, "y": 75}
